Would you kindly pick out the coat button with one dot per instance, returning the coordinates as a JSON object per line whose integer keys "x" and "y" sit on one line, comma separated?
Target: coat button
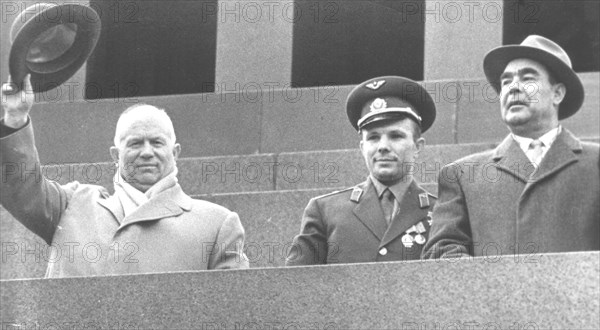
{"x": 383, "y": 251}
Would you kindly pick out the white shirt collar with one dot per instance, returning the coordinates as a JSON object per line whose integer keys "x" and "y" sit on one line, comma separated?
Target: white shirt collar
{"x": 547, "y": 139}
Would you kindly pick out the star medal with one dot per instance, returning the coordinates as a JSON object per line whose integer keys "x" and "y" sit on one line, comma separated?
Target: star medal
{"x": 407, "y": 240}
{"x": 420, "y": 239}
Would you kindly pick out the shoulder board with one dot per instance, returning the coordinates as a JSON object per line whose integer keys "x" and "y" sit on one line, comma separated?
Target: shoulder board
{"x": 424, "y": 200}
{"x": 334, "y": 193}
{"x": 356, "y": 194}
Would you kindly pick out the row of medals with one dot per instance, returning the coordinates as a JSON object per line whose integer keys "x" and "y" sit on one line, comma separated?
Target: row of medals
{"x": 408, "y": 240}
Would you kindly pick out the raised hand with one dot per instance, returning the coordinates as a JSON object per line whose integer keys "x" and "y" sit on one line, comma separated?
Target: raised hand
{"x": 17, "y": 105}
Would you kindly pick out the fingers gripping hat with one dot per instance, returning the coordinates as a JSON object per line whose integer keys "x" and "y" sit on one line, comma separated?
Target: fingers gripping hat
{"x": 51, "y": 42}
{"x": 389, "y": 97}
{"x": 547, "y": 53}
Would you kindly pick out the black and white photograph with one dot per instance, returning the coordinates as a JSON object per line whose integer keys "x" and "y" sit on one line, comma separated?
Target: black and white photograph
{"x": 300, "y": 164}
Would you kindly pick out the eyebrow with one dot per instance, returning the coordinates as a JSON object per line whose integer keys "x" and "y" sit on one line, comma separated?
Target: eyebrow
{"x": 520, "y": 72}
{"x": 141, "y": 138}
{"x": 128, "y": 139}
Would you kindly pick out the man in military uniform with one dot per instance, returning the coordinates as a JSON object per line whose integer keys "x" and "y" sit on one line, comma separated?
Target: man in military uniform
{"x": 536, "y": 192}
{"x": 384, "y": 218}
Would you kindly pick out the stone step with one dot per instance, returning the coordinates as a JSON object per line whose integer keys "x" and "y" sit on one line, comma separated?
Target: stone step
{"x": 335, "y": 168}
{"x": 468, "y": 111}
{"x": 267, "y": 120}
{"x": 271, "y": 220}
{"x": 548, "y": 291}
{"x": 265, "y": 172}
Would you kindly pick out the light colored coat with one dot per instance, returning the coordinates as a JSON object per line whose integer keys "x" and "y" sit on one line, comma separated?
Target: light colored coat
{"x": 490, "y": 205}
{"x": 89, "y": 235}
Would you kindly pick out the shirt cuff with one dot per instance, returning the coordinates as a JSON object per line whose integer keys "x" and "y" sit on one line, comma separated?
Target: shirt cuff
{"x": 6, "y": 131}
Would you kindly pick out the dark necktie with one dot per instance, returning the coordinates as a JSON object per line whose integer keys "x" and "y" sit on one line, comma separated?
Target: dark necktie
{"x": 388, "y": 204}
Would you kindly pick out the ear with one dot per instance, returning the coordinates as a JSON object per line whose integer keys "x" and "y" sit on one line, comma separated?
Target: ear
{"x": 560, "y": 90}
{"x": 420, "y": 144}
{"x": 114, "y": 154}
{"x": 361, "y": 145}
{"x": 176, "y": 150}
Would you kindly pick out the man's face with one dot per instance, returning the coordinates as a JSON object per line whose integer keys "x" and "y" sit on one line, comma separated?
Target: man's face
{"x": 387, "y": 146}
{"x": 146, "y": 152}
{"x": 528, "y": 101}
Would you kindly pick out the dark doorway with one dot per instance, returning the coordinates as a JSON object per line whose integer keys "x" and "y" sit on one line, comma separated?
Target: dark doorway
{"x": 347, "y": 42}
{"x": 153, "y": 48}
{"x": 574, "y": 25}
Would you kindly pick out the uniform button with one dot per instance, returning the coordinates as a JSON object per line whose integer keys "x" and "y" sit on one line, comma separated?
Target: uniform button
{"x": 383, "y": 251}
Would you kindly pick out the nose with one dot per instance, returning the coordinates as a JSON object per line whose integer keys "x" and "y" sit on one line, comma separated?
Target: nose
{"x": 513, "y": 90}
{"x": 147, "y": 151}
{"x": 383, "y": 145}
{"x": 515, "y": 86}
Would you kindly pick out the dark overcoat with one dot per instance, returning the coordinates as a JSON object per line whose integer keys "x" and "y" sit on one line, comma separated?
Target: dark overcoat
{"x": 495, "y": 202}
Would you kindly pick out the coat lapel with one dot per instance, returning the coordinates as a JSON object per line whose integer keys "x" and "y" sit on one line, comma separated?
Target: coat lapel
{"x": 169, "y": 203}
{"x": 113, "y": 204}
{"x": 410, "y": 213}
{"x": 511, "y": 159}
{"x": 562, "y": 153}
{"x": 368, "y": 210}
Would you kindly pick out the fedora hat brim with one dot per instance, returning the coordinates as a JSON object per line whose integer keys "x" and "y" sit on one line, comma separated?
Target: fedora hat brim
{"x": 497, "y": 59}
{"x": 53, "y": 73}
{"x": 403, "y": 88}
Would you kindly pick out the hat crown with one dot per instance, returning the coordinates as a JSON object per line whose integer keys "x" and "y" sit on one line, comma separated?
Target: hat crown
{"x": 548, "y": 46}
{"x": 389, "y": 97}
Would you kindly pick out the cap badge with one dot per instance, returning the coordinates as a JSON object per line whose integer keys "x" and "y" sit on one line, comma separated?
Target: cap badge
{"x": 376, "y": 84}
{"x": 378, "y": 104}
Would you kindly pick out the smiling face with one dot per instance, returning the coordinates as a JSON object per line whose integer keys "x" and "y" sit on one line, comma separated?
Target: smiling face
{"x": 145, "y": 147}
{"x": 529, "y": 100}
{"x": 387, "y": 146}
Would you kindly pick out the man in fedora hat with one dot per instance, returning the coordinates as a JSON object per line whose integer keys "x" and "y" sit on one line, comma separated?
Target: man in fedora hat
{"x": 538, "y": 191}
{"x": 384, "y": 218}
{"x": 148, "y": 225}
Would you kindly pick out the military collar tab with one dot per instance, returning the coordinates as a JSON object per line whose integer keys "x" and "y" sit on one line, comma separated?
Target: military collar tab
{"x": 424, "y": 200}
{"x": 356, "y": 194}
